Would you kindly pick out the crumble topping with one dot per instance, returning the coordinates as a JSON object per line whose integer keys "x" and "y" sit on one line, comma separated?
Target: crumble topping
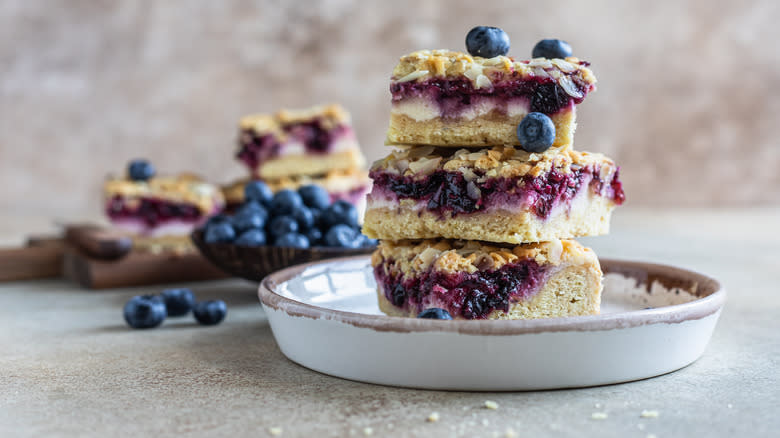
{"x": 330, "y": 116}
{"x": 451, "y": 256}
{"x": 482, "y": 72}
{"x": 500, "y": 161}
{"x": 184, "y": 188}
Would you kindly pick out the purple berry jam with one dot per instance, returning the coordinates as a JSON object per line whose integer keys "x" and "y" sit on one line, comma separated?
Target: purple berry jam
{"x": 152, "y": 211}
{"x": 448, "y": 192}
{"x": 256, "y": 149}
{"x": 472, "y": 296}
{"x": 454, "y": 95}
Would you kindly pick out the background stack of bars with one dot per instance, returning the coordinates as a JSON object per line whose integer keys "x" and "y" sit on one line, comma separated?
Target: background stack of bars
{"x": 473, "y": 224}
{"x": 293, "y": 148}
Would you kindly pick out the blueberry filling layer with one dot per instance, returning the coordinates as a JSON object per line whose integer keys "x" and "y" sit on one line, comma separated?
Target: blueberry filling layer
{"x": 544, "y": 95}
{"x": 472, "y": 296}
{"x": 152, "y": 212}
{"x": 255, "y": 149}
{"x": 449, "y": 192}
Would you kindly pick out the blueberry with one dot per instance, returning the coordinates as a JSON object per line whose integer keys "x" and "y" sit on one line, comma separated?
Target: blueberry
{"x": 317, "y": 215}
{"x": 551, "y": 48}
{"x": 251, "y": 206}
{"x": 259, "y": 192}
{"x": 217, "y": 218}
{"x": 367, "y": 242}
{"x": 145, "y": 311}
{"x": 251, "y": 238}
{"x": 249, "y": 219}
{"x": 343, "y": 236}
{"x": 219, "y": 232}
{"x": 285, "y": 202}
{"x": 314, "y": 235}
{"x": 315, "y": 196}
{"x": 536, "y": 132}
{"x": 487, "y": 42}
{"x": 140, "y": 170}
{"x": 304, "y": 217}
{"x": 210, "y": 312}
{"x": 340, "y": 212}
{"x": 293, "y": 240}
{"x": 178, "y": 302}
{"x": 434, "y": 313}
{"x": 282, "y": 225}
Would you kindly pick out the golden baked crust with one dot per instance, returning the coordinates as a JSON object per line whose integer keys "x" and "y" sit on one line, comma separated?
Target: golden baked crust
{"x": 184, "y": 188}
{"x": 494, "y": 128}
{"x": 294, "y": 165}
{"x": 335, "y": 181}
{"x": 499, "y": 161}
{"x": 482, "y": 72}
{"x": 588, "y": 216}
{"x": 330, "y": 116}
{"x": 452, "y": 256}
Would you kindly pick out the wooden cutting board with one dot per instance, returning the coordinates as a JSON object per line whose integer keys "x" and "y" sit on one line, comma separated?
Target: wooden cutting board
{"x": 100, "y": 258}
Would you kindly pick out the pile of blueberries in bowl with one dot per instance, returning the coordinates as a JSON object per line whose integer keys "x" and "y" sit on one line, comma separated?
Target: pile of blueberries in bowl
{"x": 271, "y": 231}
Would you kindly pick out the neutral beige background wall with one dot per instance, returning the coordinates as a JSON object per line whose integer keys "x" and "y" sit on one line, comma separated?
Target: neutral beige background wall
{"x": 688, "y": 100}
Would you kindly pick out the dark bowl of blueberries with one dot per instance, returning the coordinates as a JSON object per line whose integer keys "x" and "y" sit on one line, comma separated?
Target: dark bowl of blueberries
{"x": 271, "y": 231}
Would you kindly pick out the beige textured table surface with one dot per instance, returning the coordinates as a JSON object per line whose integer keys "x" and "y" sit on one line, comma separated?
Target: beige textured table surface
{"x": 70, "y": 367}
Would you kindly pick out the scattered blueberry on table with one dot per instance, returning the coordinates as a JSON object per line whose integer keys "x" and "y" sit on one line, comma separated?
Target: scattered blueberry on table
{"x": 149, "y": 311}
{"x": 536, "y": 132}
{"x": 145, "y": 311}
{"x": 434, "y": 313}
{"x": 178, "y": 302}
{"x": 551, "y": 48}
{"x": 298, "y": 219}
{"x": 210, "y": 312}
{"x": 487, "y": 42}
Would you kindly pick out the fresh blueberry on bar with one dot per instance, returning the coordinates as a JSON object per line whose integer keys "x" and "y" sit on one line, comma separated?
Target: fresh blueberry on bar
{"x": 340, "y": 212}
{"x": 251, "y": 238}
{"x": 434, "y": 313}
{"x": 210, "y": 312}
{"x": 343, "y": 236}
{"x": 178, "y": 302}
{"x": 282, "y": 225}
{"x": 259, "y": 192}
{"x": 315, "y": 196}
{"x": 145, "y": 311}
{"x": 551, "y": 48}
{"x": 487, "y": 42}
{"x": 293, "y": 240}
{"x": 219, "y": 232}
{"x": 140, "y": 170}
{"x": 285, "y": 202}
{"x": 536, "y": 132}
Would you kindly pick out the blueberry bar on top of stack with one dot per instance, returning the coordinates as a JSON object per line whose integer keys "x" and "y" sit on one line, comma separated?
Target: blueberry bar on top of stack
{"x": 293, "y": 148}
{"x": 476, "y": 207}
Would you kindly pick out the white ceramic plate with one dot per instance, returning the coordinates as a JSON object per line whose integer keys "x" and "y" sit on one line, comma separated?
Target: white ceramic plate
{"x": 655, "y": 319}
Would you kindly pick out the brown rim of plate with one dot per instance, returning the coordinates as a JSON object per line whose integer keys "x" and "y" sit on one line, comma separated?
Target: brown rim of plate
{"x": 710, "y": 292}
